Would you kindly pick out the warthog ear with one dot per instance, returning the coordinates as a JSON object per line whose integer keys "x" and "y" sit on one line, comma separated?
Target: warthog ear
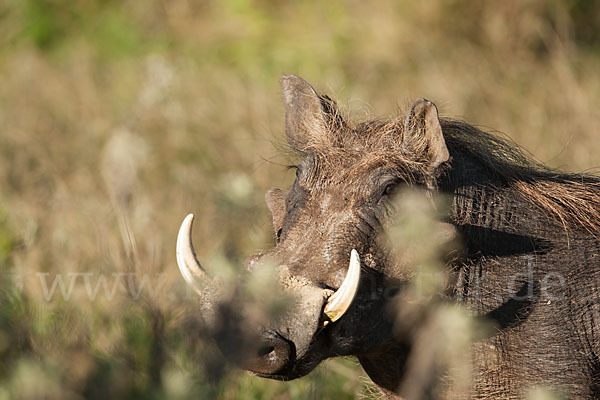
{"x": 423, "y": 134}
{"x": 307, "y": 115}
{"x": 275, "y": 199}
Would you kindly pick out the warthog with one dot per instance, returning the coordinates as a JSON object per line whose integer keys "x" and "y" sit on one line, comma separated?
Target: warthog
{"x": 530, "y": 261}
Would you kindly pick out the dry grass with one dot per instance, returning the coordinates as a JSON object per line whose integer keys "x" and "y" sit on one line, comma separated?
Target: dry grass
{"x": 118, "y": 118}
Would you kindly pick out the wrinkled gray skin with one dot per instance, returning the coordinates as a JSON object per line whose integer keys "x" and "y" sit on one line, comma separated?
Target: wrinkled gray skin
{"x": 341, "y": 200}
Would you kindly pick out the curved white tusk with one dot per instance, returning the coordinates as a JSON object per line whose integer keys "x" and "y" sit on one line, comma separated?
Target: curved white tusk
{"x": 188, "y": 265}
{"x": 340, "y": 301}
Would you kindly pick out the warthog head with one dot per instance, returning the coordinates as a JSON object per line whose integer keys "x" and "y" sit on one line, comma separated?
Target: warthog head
{"x": 330, "y": 252}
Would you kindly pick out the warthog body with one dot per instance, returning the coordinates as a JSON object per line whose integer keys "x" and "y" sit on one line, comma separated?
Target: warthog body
{"x": 530, "y": 262}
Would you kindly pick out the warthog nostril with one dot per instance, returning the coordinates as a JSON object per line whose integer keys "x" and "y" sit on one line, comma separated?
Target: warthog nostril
{"x": 270, "y": 355}
{"x": 264, "y": 350}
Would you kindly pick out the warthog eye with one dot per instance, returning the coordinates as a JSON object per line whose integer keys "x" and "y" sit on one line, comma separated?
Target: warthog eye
{"x": 278, "y": 235}
{"x": 391, "y": 189}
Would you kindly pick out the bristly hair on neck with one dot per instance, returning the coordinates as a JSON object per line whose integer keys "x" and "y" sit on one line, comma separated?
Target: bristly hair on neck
{"x": 572, "y": 199}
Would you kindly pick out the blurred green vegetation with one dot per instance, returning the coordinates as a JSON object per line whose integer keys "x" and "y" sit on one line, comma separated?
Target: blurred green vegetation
{"x": 119, "y": 117}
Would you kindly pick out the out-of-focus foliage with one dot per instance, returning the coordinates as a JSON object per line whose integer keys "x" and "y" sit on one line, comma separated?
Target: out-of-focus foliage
{"x": 119, "y": 117}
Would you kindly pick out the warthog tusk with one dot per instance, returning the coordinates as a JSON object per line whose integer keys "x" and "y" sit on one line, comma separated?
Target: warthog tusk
{"x": 188, "y": 265}
{"x": 340, "y": 301}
